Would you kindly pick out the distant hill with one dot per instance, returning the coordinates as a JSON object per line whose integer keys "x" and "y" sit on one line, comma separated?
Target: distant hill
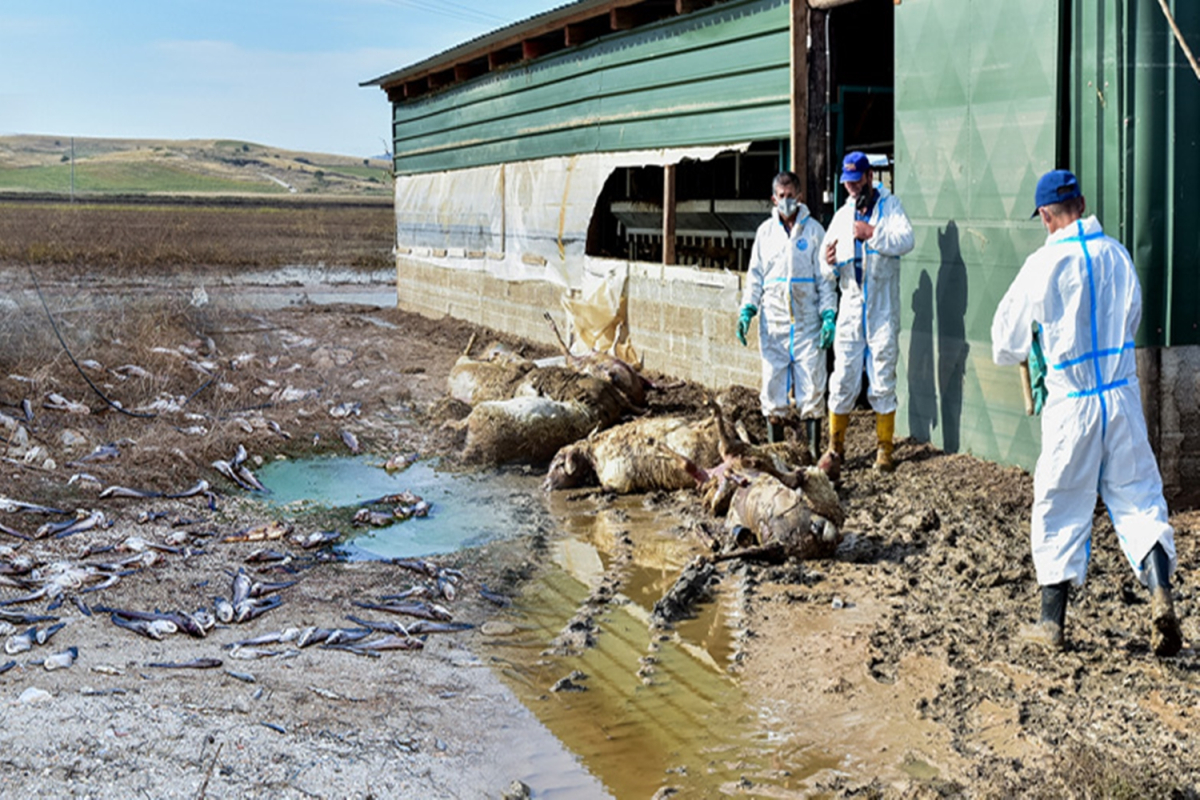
{"x": 42, "y": 164}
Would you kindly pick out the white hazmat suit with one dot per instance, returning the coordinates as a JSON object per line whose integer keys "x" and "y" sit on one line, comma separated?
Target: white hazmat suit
{"x": 786, "y": 284}
{"x": 868, "y": 321}
{"x": 1081, "y": 289}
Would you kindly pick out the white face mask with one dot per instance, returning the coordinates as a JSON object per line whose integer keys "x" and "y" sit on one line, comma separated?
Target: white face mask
{"x": 788, "y": 206}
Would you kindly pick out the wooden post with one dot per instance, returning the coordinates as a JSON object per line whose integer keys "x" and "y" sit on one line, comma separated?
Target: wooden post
{"x": 668, "y": 214}
{"x": 799, "y": 91}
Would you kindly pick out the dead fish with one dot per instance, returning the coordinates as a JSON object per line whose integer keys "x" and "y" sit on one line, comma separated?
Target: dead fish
{"x": 151, "y": 516}
{"x": 244, "y": 677}
{"x": 252, "y": 609}
{"x": 6, "y": 667}
{"x": 424, "y": 626}
{"x": 389, "y": 642}
{"x": 202, "y": 487}
{"x": 494, "y": 597}
{"x": 130, "y": 371}
{"x": 223, "y": 609}
{"x": 422, "y": 610}
{"x": 345, "y": 410}
{"x": 408, "y": 594}
{"x": 124, "y": 491}
{"x": 150, "y": 628}
{"x": 228, "y": 471}
{"x": 27, "y": 409}
{"x": 14, "y": 533}
{"x": 274, "y": 637}
{"x": 259, "y": 589}
{"x": 445, "y": 585}
{"x": 61, "y": 530}
{"x": 102, "y": 452}
{"x": 399, "y": 463}
{"x": 376, "y": 519}
{"x": 20, "y": 642}
{"x": 195, "y": 663}
{"x": 8, "y": 505}
{"x": 86, "y": 477}
{"x": 397, "y": 498}
{"x": 249, "y": 653}
{"x": 248, "y": 477}
{"x": 265, "y": 531}
{"x": 19, "y": 618}
{"x": 418, "y": 565}
{"x": 61, "y": 660}
{"x": 241, "y": 587}
{"x": 351, "y": 441}
{"x": 315, "y": 539}
{"x": 42, "y": 635}
{"x": 265, "y": 556}
{"x": 381, "y": 626}
{"x": 274, "y": 426}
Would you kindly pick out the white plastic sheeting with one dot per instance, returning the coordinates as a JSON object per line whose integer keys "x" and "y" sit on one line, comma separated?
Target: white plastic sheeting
{"x": 529, "y": 221}
{"x": 525, "y": 220}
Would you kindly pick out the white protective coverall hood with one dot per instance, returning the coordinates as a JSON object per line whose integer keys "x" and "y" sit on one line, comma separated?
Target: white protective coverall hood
{"x": 785, "y": 283}
{"x": 1082, "y": 290}
{"x": 868, "y": 324}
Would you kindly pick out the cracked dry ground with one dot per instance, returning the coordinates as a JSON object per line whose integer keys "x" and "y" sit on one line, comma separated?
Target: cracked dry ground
{"x": 908, "y": 635}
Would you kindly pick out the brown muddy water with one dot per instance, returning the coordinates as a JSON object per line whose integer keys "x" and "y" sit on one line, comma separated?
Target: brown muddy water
{"x": 648, "y": 708}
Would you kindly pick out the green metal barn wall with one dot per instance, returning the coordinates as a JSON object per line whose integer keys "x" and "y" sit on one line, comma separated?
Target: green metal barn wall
{"x": 712, "y": 77}
{"x": 976, "y": 102}
{"x": 1133, "y": 141}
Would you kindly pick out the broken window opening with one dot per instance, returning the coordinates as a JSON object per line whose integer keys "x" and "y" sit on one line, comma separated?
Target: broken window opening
{"x": 719, "y": 205}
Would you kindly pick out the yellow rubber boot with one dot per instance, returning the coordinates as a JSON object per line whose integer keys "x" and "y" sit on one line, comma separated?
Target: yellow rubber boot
{"x": 831, "y": 462}
{"x": 885, "y": 431}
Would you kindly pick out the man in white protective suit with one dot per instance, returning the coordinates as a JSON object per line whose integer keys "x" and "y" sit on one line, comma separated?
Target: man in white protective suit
{"x": 798, "y": 303}
{"x": 862, "y": 251}
{"x": 1077, "y": 300}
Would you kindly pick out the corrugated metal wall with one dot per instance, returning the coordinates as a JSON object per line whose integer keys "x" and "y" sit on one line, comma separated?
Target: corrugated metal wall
{"x": 712, "y": 77}
{"x": 1134, "y": 141}
{"x": 976, "y": 106}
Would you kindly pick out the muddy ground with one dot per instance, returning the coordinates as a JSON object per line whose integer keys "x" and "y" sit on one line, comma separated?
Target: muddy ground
{"x": 908, "y": 635}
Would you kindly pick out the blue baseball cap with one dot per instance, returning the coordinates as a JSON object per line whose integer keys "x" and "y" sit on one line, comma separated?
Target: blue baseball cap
{"x": 855, "y": 166}
{"x": 1055, "y": 186}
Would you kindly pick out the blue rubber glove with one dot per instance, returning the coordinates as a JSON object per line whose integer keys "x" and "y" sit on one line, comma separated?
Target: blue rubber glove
{"x": 828, "y": 327}
{"x": 747, "y": 314}
{"x": 1037, "y": 374}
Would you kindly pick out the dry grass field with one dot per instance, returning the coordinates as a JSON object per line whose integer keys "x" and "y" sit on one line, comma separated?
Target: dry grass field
{"x": 140, "y": 234}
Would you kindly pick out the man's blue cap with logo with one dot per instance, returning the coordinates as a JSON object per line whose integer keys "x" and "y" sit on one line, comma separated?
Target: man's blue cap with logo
{"x": 1056, "y": 186}
{"x": 855, "y": 166}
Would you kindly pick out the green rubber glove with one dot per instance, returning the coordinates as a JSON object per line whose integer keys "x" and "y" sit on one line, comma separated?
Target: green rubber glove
{"x": 1037, "y": 374}
{"x": 747, "y": 314}
{"x": 828, "y": 326}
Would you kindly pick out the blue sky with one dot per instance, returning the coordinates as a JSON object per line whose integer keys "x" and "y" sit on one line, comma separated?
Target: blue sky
{"x": 276, "y": 72}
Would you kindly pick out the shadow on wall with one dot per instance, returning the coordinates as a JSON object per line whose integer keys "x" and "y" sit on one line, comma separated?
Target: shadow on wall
{"x": 928, "y": 383}
{"x": 951, "y": 335}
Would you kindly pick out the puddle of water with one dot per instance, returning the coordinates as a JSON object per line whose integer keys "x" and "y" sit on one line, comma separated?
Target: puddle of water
{"x": 468, "y": 510}
{"x": 681, "y": 722}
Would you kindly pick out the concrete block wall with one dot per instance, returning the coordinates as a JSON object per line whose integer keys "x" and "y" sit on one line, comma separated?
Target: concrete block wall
{"x": 681, "y": 319}
{"x": 1177, "y": 395}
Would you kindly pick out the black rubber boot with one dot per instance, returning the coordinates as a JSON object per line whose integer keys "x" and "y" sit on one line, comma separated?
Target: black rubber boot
{"x": 812, "y": 428}
{"x": 1165, "y": 636}
{"x": 774, "y": 431}
{"x": 1048, "y": 632}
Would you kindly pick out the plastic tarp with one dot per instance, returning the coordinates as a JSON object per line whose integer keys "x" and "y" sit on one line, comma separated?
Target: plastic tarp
{"x": 529, "y": 221}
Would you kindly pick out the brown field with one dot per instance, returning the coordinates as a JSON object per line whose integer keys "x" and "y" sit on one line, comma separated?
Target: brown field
{"x": 137, "y": 235}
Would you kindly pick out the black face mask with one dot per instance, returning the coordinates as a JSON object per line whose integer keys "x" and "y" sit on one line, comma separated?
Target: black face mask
{"x": 865, "y": 202}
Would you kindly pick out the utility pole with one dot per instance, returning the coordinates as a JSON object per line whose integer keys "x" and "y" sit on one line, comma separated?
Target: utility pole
{"x": 72, "y": 169}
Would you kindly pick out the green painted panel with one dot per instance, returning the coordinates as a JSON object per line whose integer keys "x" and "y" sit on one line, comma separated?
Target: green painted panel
{"x": 976, "y": 124}
{"x": 719, "y": 75}
{"x": 1135, "y": 144}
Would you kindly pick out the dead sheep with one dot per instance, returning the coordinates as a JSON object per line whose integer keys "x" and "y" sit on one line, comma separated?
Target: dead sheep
{"x": 628, "y": 381}
{"x": 492, "y": 376}
{"x": 639, "y": 456}
{"x": 777, "y": 515}
{"x": 554, "y": 408}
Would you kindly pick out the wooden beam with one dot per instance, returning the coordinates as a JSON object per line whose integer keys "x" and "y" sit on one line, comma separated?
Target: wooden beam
{"x": 799, "y": 90}
{"x": 668, "y": 235}
{"x": 688, "y": 6}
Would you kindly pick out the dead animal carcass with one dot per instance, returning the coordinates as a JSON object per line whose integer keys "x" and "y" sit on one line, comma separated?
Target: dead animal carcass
{"x": 627, "y": 380}
{"x": 493, "y": 376}
{"x": 802, "y": 523}
{"x": 638, "y": 456}
{"x": 557, "y": 407}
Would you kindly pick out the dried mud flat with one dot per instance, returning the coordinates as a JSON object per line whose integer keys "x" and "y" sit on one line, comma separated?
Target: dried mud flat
{"x": 908, "y": 635}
